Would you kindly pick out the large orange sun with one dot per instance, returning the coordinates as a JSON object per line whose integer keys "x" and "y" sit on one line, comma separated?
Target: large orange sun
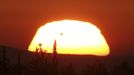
{"x": 72, "y": 36}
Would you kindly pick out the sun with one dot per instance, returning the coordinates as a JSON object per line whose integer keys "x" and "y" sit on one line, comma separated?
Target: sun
{"x": 72, "y": 36}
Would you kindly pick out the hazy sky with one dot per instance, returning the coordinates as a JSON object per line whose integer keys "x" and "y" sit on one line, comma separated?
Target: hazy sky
{"x": 19, "y": 20}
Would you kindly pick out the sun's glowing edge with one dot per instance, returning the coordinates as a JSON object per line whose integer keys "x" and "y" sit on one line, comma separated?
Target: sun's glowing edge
{"x": 102, "y": 48}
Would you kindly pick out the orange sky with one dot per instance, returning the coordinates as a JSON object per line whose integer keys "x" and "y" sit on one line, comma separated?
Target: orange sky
{"x": 19, "y": 20}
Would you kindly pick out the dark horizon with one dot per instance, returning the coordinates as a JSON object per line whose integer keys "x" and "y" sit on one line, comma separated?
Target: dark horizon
{"x": 20, "y": 62}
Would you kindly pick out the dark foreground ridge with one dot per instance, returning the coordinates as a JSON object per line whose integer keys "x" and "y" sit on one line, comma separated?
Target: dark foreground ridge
{"x": 22, "y": 62}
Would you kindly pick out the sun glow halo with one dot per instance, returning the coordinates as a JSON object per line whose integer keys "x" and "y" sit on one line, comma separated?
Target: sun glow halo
{"x": 73, "y": 37}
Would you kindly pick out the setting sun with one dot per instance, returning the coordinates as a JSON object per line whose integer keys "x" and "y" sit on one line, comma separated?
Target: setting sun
{"x": 72, "y": 37}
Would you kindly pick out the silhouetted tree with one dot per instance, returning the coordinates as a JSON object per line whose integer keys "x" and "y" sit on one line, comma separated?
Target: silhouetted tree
{"x": 54, "y": 66}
